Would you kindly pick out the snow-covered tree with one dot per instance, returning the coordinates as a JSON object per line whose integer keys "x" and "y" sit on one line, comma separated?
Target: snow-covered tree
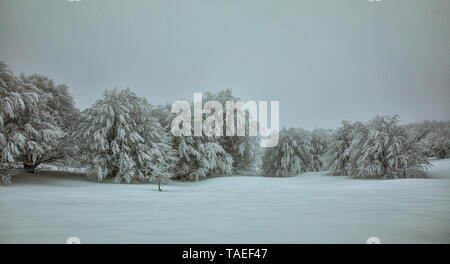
{"x": 339, "y": 154}
{"x": 359, "y": 137}
{"x": 418, "y": 162}
{"x": 291, "y": 156}
{"x": 418, "y": 131}
{"x": 13, "y": 100}
{"x": 438, "y": 140}
{"x": 201, "y": 157}
{"x": 27, "y": 128}
{"x": 386, "y": 153}
{"x": 433, "y": 137}
{"x": 122, "y": 140}
{"x": 56, "y": 109}
{"x": 244, "y": 150}
{"x": 197, "y": 157}
{"x": 320, "y": 139}
{"x": 379, "y": 149}
{"x": 164, "y": 116}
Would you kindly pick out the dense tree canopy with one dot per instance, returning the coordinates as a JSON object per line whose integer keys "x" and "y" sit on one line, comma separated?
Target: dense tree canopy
{"x": 378, "y": 149}
{"x": 291, "y": 156}
{"x": 57, "y": 107}
{"x": 30, "y": 127}
{"x": 244, "y": 150}
{"x": 120, "y": 139}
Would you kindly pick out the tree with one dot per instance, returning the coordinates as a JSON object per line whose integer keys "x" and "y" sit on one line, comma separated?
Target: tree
{"x": 56, "y": 109}
{"x": 320, "y": 140}
{"x": 386, "y": 152}
{"x": 359, "y": 135}
{"x": 339, "y": 154}
{"x": 418, "y": 162}
{"x": 197, "y": 157}
{"x": 201, "y": 157}
{"x": 438, "y": 140}
{"x": 244, "y": 150}
{"x": 291, "y": 156}
{"x": 378, "y": 149}
{"x": 122, "y": 140}
{"x": 13, "y": 99}
{"x": 433, "y": 137}
{"x": 26, "y": 128}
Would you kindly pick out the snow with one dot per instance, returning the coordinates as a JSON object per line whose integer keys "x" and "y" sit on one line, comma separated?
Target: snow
{"x": 49, "y": 207}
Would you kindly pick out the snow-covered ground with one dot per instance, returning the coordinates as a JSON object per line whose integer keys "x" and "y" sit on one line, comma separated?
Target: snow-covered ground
{"x": 49, "y": 207}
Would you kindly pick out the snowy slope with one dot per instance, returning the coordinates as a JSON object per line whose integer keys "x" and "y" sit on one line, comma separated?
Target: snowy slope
{"x": 49, "y": 207}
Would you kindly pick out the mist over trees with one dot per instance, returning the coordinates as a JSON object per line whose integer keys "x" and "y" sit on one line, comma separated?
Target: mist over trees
{"x": 122, "y": 138}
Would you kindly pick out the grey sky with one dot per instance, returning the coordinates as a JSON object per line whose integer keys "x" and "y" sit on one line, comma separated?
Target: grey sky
{"x": 324, "y": 60}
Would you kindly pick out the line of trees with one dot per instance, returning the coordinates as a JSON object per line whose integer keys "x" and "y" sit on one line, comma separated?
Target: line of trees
{"x": 122, "y": 138}
{"x": 379, "y": 148}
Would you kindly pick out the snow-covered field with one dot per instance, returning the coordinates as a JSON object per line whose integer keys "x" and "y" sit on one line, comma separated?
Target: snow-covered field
{"x": 49, "y": 207}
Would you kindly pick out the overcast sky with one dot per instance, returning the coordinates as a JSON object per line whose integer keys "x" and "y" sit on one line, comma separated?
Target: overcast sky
{"x": 324, "y": 60}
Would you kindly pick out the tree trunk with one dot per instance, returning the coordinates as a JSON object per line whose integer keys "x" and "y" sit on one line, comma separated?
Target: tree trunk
{"x": 442, "y": 154}
{"x": 29, "y": 168}
{"x": 113, "y": 175}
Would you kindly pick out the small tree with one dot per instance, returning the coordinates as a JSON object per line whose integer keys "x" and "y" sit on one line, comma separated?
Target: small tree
{"x": 291, "y": 156}
{"x": 121, "y": 140}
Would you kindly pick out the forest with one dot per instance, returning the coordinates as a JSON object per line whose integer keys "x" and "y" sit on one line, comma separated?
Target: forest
{"x": 123, "y": 138}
